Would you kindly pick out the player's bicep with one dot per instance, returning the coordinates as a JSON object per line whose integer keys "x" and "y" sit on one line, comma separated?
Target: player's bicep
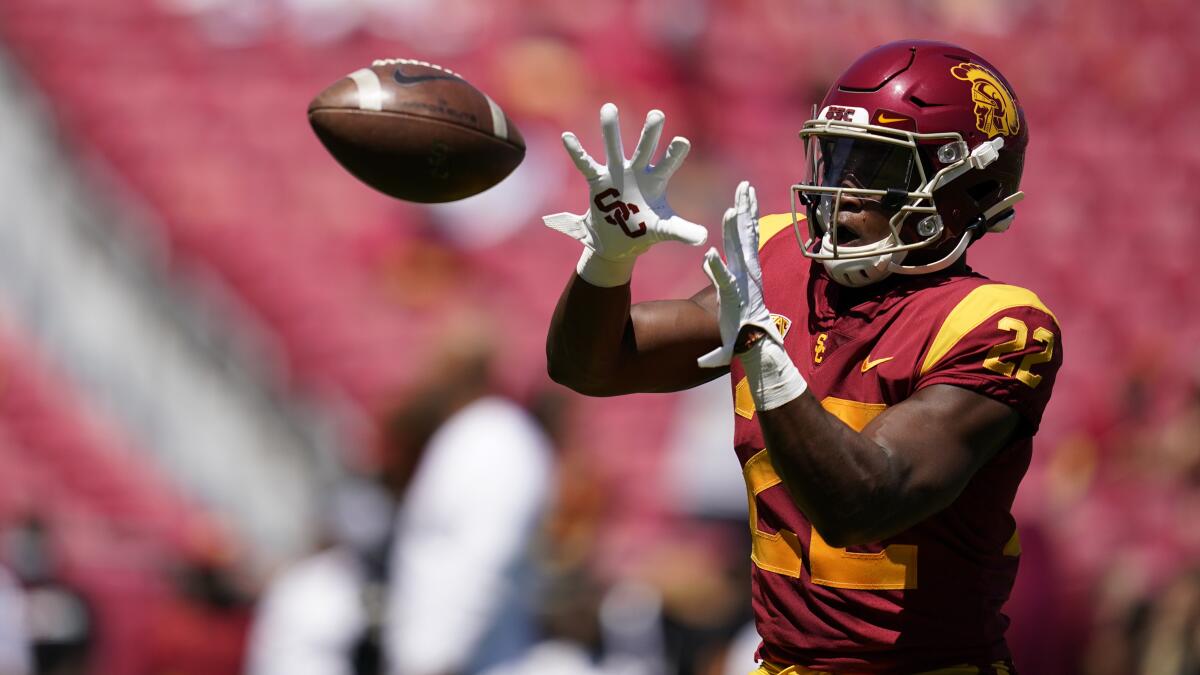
{"x": 667, "y": 336}
{"x": 937, "y": 439}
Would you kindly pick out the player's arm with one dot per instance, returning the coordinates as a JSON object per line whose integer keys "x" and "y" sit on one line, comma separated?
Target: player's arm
{"x": 910, "y": 462}
{"x": 856, "y": 487}
{"x": 598, "y": 343}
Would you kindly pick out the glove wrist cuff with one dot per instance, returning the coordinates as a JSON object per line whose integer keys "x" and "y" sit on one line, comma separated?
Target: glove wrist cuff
{"x": 773, "y": 378}
{"x": 603, "y": 272}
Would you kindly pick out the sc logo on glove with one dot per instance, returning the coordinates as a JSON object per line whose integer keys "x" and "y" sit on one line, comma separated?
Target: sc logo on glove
{"x": 622, "y": 209}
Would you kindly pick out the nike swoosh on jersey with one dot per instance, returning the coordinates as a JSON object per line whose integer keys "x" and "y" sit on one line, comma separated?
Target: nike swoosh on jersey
{"x": 869, "y": 364}
{"x": 884, "y": 119}
{"x": 406, "y": 80}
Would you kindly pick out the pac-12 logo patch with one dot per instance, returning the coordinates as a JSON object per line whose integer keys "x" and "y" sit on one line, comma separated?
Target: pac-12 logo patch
{"x": 782, "y": 323}
{"x": 995, "y": 107}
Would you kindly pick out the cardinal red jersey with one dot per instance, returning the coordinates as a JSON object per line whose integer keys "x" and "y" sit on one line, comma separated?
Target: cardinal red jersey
{"x": 928, "y": 597}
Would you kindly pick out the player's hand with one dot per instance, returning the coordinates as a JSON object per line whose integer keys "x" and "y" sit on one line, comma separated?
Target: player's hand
{"x": 628, "y": 211}
{"x": 738, "y": 280}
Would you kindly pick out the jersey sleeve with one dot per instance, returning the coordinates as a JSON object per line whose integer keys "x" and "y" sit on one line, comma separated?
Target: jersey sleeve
{"x": 775, "y": 226}
{"x": 1000, "y": 341}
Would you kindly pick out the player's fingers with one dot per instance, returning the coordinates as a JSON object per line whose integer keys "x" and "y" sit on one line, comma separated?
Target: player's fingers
{"x": 719, "y": 274}
{"x": 751, "y": 236}
{"x": 610, "y": 126}
{"x": 648, "y": 142}
{"x": 583, "y": 161}
{"x": 717, "y": 358}
{"x": 741, "y": 197}
{"x": 729, "y": 230}
{"x": 677, "y": 150}
{"x": 732, "y": 241}
{"x": 726, "y": 301}
{"x": 747, "y": 225}
{"x": 678, "y": 229}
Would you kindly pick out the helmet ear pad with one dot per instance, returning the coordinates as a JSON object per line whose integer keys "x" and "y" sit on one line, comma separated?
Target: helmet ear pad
{"x": 962, "y": 202}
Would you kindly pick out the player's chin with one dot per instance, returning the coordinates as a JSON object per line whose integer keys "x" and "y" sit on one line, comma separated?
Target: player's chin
{"x": 847, "y": 234}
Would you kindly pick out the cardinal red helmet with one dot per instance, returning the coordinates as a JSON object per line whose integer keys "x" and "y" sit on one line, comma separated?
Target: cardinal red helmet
{"x": 930, "y": 131}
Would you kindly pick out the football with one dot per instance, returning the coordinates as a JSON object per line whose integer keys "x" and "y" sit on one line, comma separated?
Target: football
{"x": 416, "y": 131}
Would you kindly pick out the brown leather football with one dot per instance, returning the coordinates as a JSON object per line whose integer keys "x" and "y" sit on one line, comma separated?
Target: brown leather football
{"x": 416, "y": 131}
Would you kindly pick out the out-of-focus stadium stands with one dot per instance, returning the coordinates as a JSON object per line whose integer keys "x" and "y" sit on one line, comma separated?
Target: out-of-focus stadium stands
{"x": 106, "y": 307}
{"x": 197, "y": 108}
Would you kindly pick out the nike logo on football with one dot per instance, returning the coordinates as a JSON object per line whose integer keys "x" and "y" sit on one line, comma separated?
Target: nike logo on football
{"x": 884, "y": 119}
{"x": 869, "y": 364}
{"x": 406, "y": 80}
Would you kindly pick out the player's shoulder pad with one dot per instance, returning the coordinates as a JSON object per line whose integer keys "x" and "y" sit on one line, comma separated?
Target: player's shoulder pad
{"x": 772, "y": 224}
{"x": 972, "y": 310}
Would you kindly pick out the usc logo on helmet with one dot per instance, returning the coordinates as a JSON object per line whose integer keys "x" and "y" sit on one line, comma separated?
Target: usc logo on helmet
{"x": 995, "y": 109}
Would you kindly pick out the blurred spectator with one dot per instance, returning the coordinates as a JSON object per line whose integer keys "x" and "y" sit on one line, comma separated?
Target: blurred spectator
{"x": 700, "y": 571}
{"x": 589, "y": 629}
{"x": 1145, "y": 618}
{"x": 1172, "y": 642}
{"x": 702, "y": 476}
{"x": 675, "y": 611}
{"x": 460, "y": 597}
{"x": 59, "y": 619}
{"x": 14, "y": 643}
{"x": 310, "y": 618}
{"x": 741, "y": 650}
{"x": 429, "y": 573}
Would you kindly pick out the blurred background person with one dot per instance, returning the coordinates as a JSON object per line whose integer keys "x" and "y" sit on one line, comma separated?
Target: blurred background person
{"x": 14, "y": 642}
{"x": 1171, "y": 644}
{"x": 429, "y": 573}
{"x": 59, "y": 621}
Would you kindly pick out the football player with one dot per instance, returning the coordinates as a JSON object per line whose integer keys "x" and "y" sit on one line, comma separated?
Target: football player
{"x": 885, "y": 395}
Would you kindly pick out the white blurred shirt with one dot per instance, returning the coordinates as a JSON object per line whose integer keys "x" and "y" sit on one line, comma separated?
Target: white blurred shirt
{"x": 460, "y": 597}
{"x": 309, "y": 618}
{"x": 14, "y": 639}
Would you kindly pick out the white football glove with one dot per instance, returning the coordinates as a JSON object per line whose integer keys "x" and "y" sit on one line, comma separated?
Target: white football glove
{"x": 773, "y": 378}
{"x": 738, "y": 281}
{"x": 628, "y": 211}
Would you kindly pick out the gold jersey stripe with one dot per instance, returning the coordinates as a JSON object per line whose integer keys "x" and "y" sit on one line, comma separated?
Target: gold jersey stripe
{"x": 743, "y": 401}
{"x": 773, "y": 224}
{"x": 893, "y": 568}
{"x": 856, "y": 415}
{"x": 973, "y": 310}
{"x": 1012, "y": 547}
